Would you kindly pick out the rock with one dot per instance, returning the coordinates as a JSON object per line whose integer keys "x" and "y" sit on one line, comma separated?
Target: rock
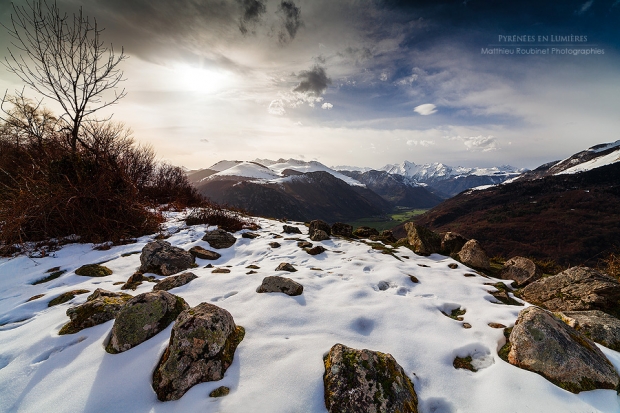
{"x": 414, "y": 279}
{"x": 249, "y": 235}
{"x": 288, "y": 229}
{"x": 501, "y": 294}
{"x": 451, "y": 243}
{"x": 100, "y": 306}
{"x": 36, "y": 297}
{"x": 220, "y": 271}
{"x": 598, "y": 326}
{"x": 201, "y": 348}
{"x": 304, "y": 244}
{"x": 541, "y": 343}
{"x": 522, "y": 270}
{"x": 251, "y": 272}
{"x": 453, "y": 265}
{"x": 274, "y": 245}
{"x": 93, "y": 270}
{"x": 285, "y": 266}
{"x": 219, "y": 238}
{"x": 466, "y": 325}
{"x": 358, "y": 381}
{"x": 277, "y": 284}
{"x": 343, "y": 230}
{"x": 204, "y": 254}
{"x": 64, "y": 297}
{"x": 220, "y": 392}
{"x": 143, "y": 317}
{"x": 575, "y": 289}
{"x": 319, "y": 235}
{"x": 316, "y": 250}
{"x": 159, "y": 257}
{"x": 253, "y": 267}
{"x": 365, "y": 232}
{"x": 422, "y": 240}
{"x": 474, "y": 256}
{"x": 496, "y": 325}
{"x": 317, "y": 224}
{"x": 174, "y": 281}
{"x": 134, "y": 281}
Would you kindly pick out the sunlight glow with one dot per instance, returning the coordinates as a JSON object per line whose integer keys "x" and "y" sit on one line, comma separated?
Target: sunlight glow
{"x": 200, "y": 80}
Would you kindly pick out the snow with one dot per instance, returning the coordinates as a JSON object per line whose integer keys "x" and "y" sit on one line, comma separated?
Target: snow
{"x": 223, "y": 165}
{"x": 312, "y": 166}
{"x": 249, "y": 170}
{"x": 278, "y": 367}
{"x": 608, "y": 159}
{"x": 438, "y": 171}
{"x": 351, "y": 168}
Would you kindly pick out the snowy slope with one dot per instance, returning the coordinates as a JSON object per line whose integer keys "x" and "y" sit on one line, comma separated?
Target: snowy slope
{"x": 249, "y": 170}
{"x": 278, "y": 367}
{"x": 312, "y": 166}
{"x": 609, "y": 153}
{"x": 223, "y": 165}
{"x": 439, "y": 171}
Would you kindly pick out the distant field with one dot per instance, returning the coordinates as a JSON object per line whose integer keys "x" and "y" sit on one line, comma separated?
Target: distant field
{"x": 388, "y": 221}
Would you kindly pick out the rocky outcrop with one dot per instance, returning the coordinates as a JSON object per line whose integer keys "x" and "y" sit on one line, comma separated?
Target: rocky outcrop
{"x": 289, "y": 229}
{"x": 143, "y": 317}
{"x": 93, "y": 270}
{"x": 385, "y": 236}
{"x": 366, "y": 381}
{"x": 474, "y": 256}
{"x": 365, "y": 232}
{"x": 522, "y": 270}
{"x": 598, "y": 326}
{"x": 219, "y": 239}
{"x": 276, "y": 284}
{"x": 159, "y": 257}
{"x": 174, "y": 281}
{"x": 452, "y": 243}
{"x": 100, "y": 306}
{"x": 319, "y": 235}
{"x": 541, "y": 343}
{"x": 575, "y": 289}
{"x": 343, "y": 230}
{"x": 204, "y": 254}
{"x": 201, "y": 348}
{"x": 422, "y": 240}
{"x": 285, "y": 266}
{"x": 319, "y": 225}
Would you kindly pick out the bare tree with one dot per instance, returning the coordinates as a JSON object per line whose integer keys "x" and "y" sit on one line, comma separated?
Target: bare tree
{"x": 64, "y": 59}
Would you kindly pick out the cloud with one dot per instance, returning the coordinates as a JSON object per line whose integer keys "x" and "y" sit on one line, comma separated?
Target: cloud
{"x": 204, "y": 140}
{"x": 407, "y": 80}
{"x": 425, "y": 109}
{"x": 276, "y": 107}
{"x": 327, "y": 106}
{"x": 291, "y": 20}
{"x": 478, "y": 143}
{"x": 384, "y": 76}
{"x": 413, "y": 142}
{"x": 584, "y": 7}
{"x": 252, "y": 10}
{"x": 313, "y": 81}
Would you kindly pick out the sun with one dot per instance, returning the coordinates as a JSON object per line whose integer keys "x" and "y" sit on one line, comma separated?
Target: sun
{"x": 200, "y": 80}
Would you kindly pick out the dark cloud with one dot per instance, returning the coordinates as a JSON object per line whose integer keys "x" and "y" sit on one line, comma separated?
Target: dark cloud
{"x": 252, "y": 10}
{"x": 313, "y": 81}
{"x": 291, "y": 20}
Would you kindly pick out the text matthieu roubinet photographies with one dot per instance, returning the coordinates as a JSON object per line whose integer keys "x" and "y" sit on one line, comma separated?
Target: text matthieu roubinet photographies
{"x": 542, "y": 45}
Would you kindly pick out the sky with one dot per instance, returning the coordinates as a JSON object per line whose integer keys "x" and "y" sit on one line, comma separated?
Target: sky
{"x": 362, "y": 82}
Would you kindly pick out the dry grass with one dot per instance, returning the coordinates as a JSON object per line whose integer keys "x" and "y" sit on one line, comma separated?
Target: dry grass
{"x": 229, "y": 219}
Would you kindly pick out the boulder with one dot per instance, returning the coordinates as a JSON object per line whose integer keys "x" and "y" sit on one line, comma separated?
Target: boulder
{"x": 285, "y": 266}
{"x": 522, "y": 270}
{"x": 93, "y": 270}
{"x": 365, "y": 232}
{"x": 64, "y": 297}
{"x": 100, "y": 306}
{"x": 343, "y": 230}
{"x": 201, "y": 348}
{"x": 366, "y": 381}
{"x": 319, "y": 235}
{"x": 159, "y": 257}
{"x": 275, "y": 244}
{"x": 541, "y": 343}
{"x": 277, "y": 284}
{"x": 204, "y": 254}
{"x": 143, "y": 317}
{"x": 317, "y": 224}
{"x": 474, "y": 256}
{"x": 304, "y": 244}
{"x": 249, "y": 235}
{"x": 598, "y": 326}
{"x": 315, "y": 250}
{"x": 134, "y": 281}
{"x": 174, "y": 281}
{"x": 218, "y": 238}
{"x": 387, "y": 236}
{"x": 288, "y": 229}
{"x": 451, "y": 243}
{"x": 422, "y": 240}
{"x": 575, "y": 289}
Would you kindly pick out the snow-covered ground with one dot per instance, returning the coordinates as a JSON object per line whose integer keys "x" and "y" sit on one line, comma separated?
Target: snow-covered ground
{"x": 278, "y": 367}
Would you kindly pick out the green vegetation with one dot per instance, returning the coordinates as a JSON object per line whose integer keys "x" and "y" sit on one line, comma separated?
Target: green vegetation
{"x": 398, "y": 216}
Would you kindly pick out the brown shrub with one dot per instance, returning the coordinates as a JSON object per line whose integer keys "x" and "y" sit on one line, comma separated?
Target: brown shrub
{"x": 229, "y": 219}
{"x": 611, "y": 265}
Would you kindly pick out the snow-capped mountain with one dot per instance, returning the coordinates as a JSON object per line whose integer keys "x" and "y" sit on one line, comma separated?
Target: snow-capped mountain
{"x": 438, "y": 171}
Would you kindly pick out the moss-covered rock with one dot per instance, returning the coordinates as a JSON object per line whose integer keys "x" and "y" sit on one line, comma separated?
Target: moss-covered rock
{"x": 365, "y": 232}
{"x": 219, "y": 238}
{"x": 143, "y": 317}
{"x": 542, "y": 343}
{"x": 100, "y": 306}
{"x": 422, "y": 240}
{"x": 93, "y": 270}
{"x": 276, "y": 284}
{"x": 201, "y": 348}
{"x": 174, "y": 281}
{"x": 598, "y": 326}
{"x": 54, "y": 274}
{"x": 366, "y": 381}
{"x": 159, "y": 257}
{"x": 473, "y": 255}
{"x": 220, "y": 392}
{"x": 64, "y": 297}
